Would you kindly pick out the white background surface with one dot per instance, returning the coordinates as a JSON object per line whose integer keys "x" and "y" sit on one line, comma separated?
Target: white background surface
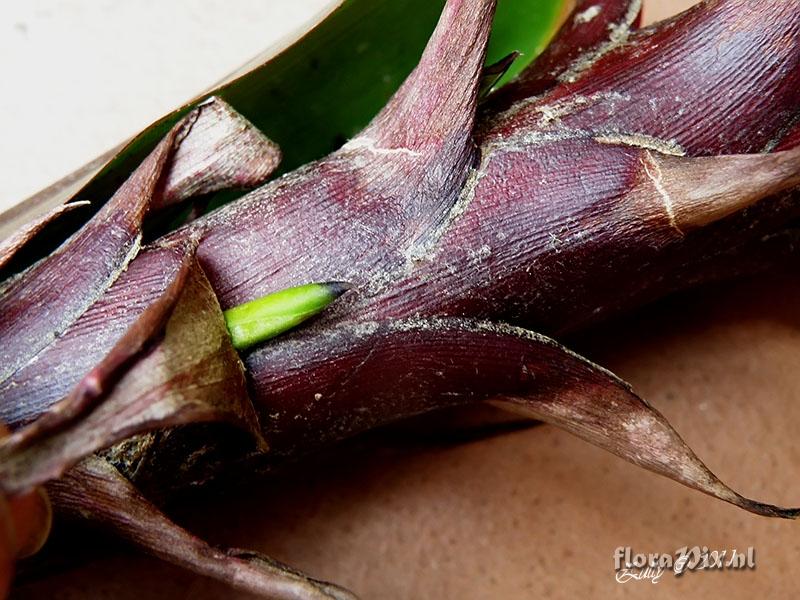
{"x": 80, "y": 76}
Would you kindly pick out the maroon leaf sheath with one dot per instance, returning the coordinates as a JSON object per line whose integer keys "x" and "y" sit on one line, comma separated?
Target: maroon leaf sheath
{"x": 594, "y": 28}
{"x": 623, "y": 164}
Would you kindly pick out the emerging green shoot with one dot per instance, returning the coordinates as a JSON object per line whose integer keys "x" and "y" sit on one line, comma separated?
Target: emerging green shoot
{"x": 259, "y": 320}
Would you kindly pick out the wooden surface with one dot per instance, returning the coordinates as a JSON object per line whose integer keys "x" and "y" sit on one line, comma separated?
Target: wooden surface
{"x": 537, "y": 513}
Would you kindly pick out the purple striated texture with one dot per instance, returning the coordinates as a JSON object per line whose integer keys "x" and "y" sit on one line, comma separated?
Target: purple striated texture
{"x": 722, "y": 78}
{"x": 574, "y": 205}
{"x": 594, "y": 28}
{"x": 594, "y": 182}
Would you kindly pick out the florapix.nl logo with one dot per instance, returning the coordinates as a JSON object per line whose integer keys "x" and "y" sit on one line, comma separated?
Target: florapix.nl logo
{"x": 634, "y": 566}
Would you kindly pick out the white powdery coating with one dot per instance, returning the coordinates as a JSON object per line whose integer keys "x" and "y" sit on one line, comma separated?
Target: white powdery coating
{"x": 587, "y": 15}
{"x": 617, "y": 35}
{"x": 368, "y": 144}
{"x": 653, "y": 172}
{"x": 642, "y": 140}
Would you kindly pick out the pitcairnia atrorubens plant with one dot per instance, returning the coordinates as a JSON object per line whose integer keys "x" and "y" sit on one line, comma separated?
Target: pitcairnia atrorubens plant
{"x": 621, "y": 165}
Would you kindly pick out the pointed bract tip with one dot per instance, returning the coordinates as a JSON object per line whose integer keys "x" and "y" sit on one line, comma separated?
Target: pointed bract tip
{"x": 493, "y": 73}
{"x": 766, "y": 510}
{"x": 337, "y": 288}
{"x": 437, "y": 101}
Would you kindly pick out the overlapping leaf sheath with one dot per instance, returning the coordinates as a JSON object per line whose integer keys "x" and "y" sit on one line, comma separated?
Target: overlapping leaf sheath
{"x": 594, "y": 28}
{"x": 140, "y": 344}
{"x": 13, "y": 244}
{"x": 632, "y": 173}
{"x": 561, "y": 182}
{"x": 174, "y": 365}
{"x": 66, "y": 305}
{"x": 721, "y": 78}
{"x": 567, "y": 213}
{"x": 395, "y": 181}
{"x": 557, "y": 227}
{"x": 362, "y": 211}
{"x": 430, "y": 363}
